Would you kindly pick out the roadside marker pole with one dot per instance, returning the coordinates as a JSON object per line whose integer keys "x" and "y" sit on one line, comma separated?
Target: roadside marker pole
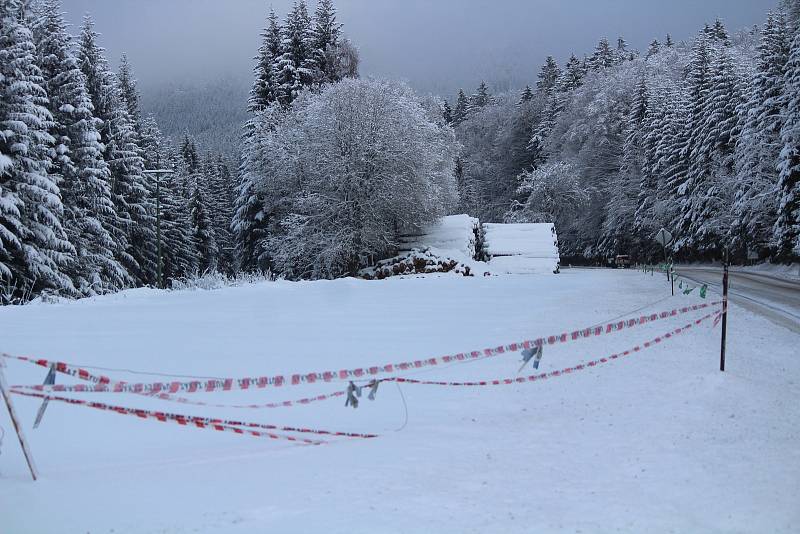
{"x": 672, "y": 280}
{"x": 15, "y": 420}
{"x": 724, "y": 316}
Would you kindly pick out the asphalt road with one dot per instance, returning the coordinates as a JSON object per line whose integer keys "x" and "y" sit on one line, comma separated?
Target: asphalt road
{"x": 775, "y": 298}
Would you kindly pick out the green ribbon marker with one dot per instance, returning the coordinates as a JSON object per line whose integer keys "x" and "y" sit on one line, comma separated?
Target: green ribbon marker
{"x": 703, "y": 291}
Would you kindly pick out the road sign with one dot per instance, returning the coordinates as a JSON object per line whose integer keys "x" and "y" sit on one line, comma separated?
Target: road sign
{"x": 664, "y": 237}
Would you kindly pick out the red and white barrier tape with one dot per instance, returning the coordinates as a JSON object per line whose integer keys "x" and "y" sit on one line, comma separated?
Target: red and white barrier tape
{"x": 561, "y": 372}
{"x": 107, "y": 385}
{"x": 221, "y": 425}
{"x": 90, "y": 377}
{"x": 268, "y": 405}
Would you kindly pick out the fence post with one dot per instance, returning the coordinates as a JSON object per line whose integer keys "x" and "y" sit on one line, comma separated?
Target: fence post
{"x": 672, "y": 280}
{"x": 724, "y": 316}
{"x": 15, "y": 421}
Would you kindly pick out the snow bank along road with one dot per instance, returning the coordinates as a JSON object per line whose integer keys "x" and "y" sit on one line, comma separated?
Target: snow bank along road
{"x": 655, "y": 441}
{"x": 778, "y": 299}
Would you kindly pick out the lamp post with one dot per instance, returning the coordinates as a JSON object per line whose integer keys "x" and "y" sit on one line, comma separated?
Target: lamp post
{"x": 158, "y": 173}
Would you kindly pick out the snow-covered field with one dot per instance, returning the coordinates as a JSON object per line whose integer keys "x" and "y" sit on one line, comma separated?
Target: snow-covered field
{"x": 658, "y": 441}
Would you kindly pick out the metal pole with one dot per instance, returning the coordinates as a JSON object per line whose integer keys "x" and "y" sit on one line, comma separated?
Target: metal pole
{"x": 15, "y": 421}
{"x": 672, "y": 280}
{"x": 158, "y": 228}
{"x": 724, "y": 316}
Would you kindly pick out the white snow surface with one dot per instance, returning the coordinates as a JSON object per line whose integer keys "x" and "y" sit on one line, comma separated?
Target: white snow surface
{"x": 659, "y": 441}
{"x": 522, "y": 248}
{"x": 788, "y": 272}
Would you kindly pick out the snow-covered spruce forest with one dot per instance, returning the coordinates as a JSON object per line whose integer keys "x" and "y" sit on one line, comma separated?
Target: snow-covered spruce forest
{"x": 701, "y": 137}
{"x": 77, "y": 210}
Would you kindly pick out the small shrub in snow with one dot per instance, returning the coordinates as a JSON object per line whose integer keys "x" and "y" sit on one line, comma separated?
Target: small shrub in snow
{"x": 216, "y": 280}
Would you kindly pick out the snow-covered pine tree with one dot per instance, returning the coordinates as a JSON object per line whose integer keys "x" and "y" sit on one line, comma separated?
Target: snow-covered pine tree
{"x": 102, "y": 89}
{"x": 720, "y": 33}
{"x": 787, "y": 227}
{"x": 572, "y": 78}
{"x": 706, "y": 215}
{"x": 152, "y": 143}
{"x": 447, "y": 112}
{"x": 684, "y": 184}
{"x": 179, "y": 248}
{"x": 622, "y": 54}
{"x": 129, "y": 93}
{"x": 203, "y": 232}
{"x": 759, "y": 145}
{"x": 480, "y": 99}
{"x": 249, "y": 223}
{"x": 647, "y": 219}
{"x": 537, "y": 146}
{"x": 191, "y": 166}
{"x": 633, "y": 150}
{"x": 548, "y": 75}
{"x": 603, "y": 56}
{"x": 221, "y": 205}
{"x": 527, "y": 94}
{"x": 624, "y": 189}
{"x": 297, "y": 64}
{"x": 179, "y": 256}
{"x": 668, "y": 41}
{"x": 34, "y": 251}
{"x": 133, "y": 200}
{"x": 326, "y": 38}
{"x": 653, "y": 49}
{"x": 461, "y": 109}
{"x": 250, "y": 218}
{"x": 792, "y": 10}
{"x": 265, "y": 86}
{"x": 670, "y": 156}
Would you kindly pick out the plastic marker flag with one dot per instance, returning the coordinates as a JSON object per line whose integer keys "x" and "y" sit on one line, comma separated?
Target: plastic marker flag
{"x": 353, "y": 392}
{"x": 688, "y": 290}
{"x": 703, "y": 291}
{"x": 528, "y": 354}
{"x": 373, "y": 389}
{"x": 538, "y": 358}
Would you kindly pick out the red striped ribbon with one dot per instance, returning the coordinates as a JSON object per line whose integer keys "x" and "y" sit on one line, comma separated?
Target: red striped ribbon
{"x": 202, "y": 422}
{"x": 107, "y": 385}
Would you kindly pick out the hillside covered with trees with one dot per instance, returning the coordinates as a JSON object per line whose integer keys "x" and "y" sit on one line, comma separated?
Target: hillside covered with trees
{"x": 701, "y": 137}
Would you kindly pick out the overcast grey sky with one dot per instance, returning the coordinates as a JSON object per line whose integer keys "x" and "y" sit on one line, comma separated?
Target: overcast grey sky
{"x": 437, "y": 45}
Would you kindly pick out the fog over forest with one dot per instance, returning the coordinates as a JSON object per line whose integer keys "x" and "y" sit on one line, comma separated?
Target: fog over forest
{"x": 436, "y": 46}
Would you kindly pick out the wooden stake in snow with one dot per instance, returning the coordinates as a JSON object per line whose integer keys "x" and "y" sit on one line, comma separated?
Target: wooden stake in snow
{"x": 15, "y": 421}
